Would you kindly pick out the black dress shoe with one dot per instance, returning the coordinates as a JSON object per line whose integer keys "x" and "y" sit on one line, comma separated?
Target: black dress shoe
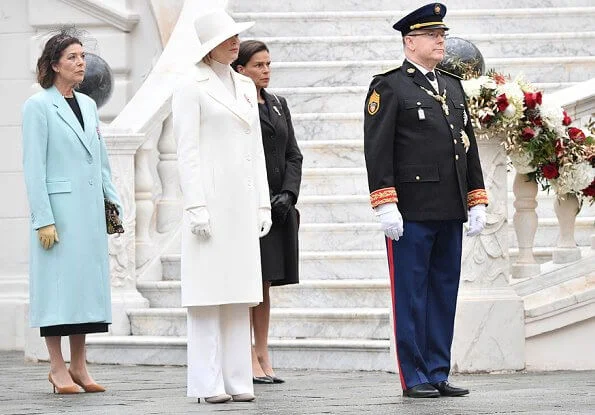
{"x": 446, "y": 389}
{"x": 259, "y": 380}
{"x": 424, "y": 390}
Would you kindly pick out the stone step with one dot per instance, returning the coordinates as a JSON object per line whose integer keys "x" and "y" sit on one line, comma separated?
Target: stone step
{"x": 337, "y": 265}
{"x": 309, "y": 294}
{"x": 370, "y": 47}
{"x": 352, "y": 98}
{"x": 334, "y": 181}
{"x": 329, "y": 126}
{"x": 332, "y": 153}
{"x": 346, "y": 323}
{"x": 368, "y": 235}
{"x": 356, "y": 5}
{"x": 345, "y": 209}
{"x": 320, "y": 354}
{"x": 353, "y": 73}
{"x": 350, "y": 23}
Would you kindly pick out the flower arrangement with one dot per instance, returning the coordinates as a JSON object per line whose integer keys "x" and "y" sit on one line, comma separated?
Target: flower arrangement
{"x": 539, "y": 138}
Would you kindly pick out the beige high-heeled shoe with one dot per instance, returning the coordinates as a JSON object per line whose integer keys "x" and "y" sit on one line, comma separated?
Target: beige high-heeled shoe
{"x": 89, "y": 388}
{"x": 63, "y": 390}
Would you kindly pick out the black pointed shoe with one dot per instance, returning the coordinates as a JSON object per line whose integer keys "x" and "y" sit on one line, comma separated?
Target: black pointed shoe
{"x": 424, "y": 390}
{"x": 261, "y": 380}
{"x": 446, "y": 389}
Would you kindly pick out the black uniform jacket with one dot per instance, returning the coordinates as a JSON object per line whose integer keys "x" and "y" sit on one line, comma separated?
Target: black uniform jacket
{"x": 416, "y": 154}
{"x": 279, "y": 249}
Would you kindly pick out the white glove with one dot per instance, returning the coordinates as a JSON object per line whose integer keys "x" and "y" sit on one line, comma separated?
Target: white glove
{"x": 390, "y": 219}
{"x": 264, "y": 221}
{"x": 477, "y": 220}
{"x": 199, "y": 221}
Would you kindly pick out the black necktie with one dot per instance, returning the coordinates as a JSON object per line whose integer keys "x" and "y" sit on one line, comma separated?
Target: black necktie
{"x": 430, "y": 76}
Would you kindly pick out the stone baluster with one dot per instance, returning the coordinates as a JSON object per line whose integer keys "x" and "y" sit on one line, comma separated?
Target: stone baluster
{"x": 144, "y": 197}
{"x": 566, "y": 209}
{"x": 486, "y": 301}
{"x": 525, "y": 226}
{"x": 169, "y": 207}
{"x": 122, "y": 250}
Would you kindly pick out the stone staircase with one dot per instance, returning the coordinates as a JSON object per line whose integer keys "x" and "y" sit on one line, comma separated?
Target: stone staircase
{"x": 325, "y": 54}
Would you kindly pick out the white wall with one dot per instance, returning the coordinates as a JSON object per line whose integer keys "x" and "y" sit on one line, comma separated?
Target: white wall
{"x": 22, "y": 26}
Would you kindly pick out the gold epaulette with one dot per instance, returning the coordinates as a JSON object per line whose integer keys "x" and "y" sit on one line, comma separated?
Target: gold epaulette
{"x": 389, "y": 71}
{"x": 448, "y": 73}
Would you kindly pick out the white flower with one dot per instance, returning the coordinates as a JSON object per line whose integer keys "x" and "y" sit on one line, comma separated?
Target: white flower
{"x": 472, "y": 87}
{"x": 551, "y": 113}
{"x": 510, "y": 111}
{"x": 573, "y": 178}
{"x": 512, "y": 90}
{"x": 521, "y": 160}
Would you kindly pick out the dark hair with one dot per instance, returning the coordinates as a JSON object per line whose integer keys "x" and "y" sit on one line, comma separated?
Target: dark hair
{"x": 52, "y": 51}
{"x": 248, "y": 48}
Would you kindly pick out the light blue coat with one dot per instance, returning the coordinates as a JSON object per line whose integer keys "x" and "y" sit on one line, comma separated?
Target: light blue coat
{"x": 67, "y": 174}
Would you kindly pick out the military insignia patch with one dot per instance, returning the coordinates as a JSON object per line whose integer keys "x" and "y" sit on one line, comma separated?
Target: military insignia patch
{"x": 374, "y": 103}
{"x": 436, "y": 9}
{"x": 410, "y": 70}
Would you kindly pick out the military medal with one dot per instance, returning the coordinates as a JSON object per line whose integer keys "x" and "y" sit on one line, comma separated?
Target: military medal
{"x": 440, "y": 98}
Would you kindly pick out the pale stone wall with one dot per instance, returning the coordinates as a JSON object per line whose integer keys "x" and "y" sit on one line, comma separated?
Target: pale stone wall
{"x": 127, "y": 38}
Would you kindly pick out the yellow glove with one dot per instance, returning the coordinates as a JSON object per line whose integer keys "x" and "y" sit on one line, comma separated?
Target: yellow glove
{"x": 48, "y": 236}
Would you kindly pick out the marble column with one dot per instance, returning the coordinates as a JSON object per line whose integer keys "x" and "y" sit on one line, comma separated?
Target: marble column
{"x": 489, "y": 325}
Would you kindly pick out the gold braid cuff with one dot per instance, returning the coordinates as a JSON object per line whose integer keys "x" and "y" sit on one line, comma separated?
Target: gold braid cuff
{"x": 386, "y": 195}
{"x": 477, "y": 197}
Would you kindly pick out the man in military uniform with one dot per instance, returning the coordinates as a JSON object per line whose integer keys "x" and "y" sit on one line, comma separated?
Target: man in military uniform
{"x": 425, "y": 180}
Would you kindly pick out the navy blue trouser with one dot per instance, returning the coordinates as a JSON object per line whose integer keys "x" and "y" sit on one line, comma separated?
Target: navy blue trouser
{"x": 425, "y": 267}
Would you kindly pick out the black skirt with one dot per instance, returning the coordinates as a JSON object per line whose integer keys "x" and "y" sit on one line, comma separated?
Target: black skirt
{"x": 71, "y": 329}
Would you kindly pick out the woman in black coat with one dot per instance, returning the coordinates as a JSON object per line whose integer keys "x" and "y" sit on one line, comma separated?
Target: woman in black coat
{"x": 279, "y": 249}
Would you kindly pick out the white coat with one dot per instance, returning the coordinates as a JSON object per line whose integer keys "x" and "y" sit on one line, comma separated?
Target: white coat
{"x": 222, "y": 167}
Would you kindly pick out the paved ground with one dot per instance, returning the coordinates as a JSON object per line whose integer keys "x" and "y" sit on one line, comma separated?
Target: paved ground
{"x": 145, "y": 390}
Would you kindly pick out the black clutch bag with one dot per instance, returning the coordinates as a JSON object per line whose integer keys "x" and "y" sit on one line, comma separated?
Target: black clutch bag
{"x": 112, "y": 220}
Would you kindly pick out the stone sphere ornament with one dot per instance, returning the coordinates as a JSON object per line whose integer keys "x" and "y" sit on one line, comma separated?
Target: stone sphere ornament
{"x": 99, "y": 80}
{"x": 462, "y": 58}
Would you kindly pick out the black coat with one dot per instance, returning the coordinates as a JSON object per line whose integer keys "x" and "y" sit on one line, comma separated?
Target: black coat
{"x": 415, "y": 151}
{"x": 279, "y": 249}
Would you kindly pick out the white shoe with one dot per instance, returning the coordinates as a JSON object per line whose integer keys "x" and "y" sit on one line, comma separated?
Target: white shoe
{"x": 243, "y": 397}
{"x": 224, "y": 397}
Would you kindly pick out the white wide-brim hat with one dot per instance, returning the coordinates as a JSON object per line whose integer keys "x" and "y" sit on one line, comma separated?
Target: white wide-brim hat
{"x": 215, "y": 27}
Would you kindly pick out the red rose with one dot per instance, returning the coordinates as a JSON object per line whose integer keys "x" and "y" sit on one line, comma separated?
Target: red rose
{"x": 550, "y": 171}
{"x": 590, "y": 191}
{"x": 567, "y": 120}
{"x": 528, "y": 133}
{"x": 486, "y": 119}
{"x": 532, "y": 99}
{"x": 499, "y": 78}
{"x": 502, "y": 102}
{"x": 576, "y": 134}
{"x": 537, "y": 121}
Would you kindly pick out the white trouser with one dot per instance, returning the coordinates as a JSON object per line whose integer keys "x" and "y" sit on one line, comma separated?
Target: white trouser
{"x": 219, "y": 359}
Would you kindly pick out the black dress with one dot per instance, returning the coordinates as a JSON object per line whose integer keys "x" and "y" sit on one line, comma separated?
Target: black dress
{"x": 279, "y": 248}
{"x": 80, "y": 328}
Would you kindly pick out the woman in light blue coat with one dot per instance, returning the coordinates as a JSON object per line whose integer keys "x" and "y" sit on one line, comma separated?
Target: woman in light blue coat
{"x": 67, "y": 175}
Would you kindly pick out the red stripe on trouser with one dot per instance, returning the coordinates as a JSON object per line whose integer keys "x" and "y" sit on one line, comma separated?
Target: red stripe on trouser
{"x": 391, "y": 271}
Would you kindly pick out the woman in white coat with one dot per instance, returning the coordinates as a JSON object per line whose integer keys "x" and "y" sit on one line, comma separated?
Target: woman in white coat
{"x": 226, "y": 209}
